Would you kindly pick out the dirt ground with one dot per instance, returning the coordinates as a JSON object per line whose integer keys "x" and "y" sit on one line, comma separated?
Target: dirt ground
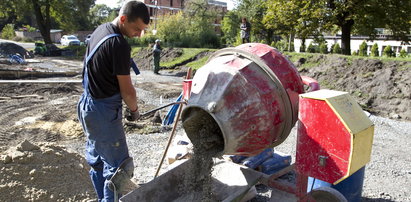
{"x": 381, "y": 88}
{"x": 39, "y": 127}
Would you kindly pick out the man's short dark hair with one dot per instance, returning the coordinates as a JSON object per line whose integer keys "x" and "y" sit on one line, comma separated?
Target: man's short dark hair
{"x": 135, "y": 9}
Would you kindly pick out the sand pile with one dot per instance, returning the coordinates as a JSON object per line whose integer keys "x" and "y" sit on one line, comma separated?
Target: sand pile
{"x": 43, "y": 172}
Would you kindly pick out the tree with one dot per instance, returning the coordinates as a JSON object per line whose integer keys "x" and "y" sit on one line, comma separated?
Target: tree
{"x": 67, "y": 14}
{"x": 363, "y": 16}
{"x": 200, "y": 17}
{"x": 254, "y": 11}
{"x": 336, "y": 49}
{"x": 8, "y": 32}
{"x": 388, "y": 52}
{"x": 71, "y": 15}
{"x": 362, "y": 51}
{"x": 311, "y": 48}
{"x": 323, "y": 48}
{"x": 172, "y": 29}
{"x": 374, "y": 50}
{"x": 99, "y": 14}
{"x": 294, "y": 17}
{"x": 403, "y": 53}
{"x": 230, "y": 27}
{"x": 351, "y": 16}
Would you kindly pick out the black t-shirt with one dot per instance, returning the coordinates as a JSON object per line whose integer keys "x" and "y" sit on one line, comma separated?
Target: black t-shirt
{"x": 112, "y": 58}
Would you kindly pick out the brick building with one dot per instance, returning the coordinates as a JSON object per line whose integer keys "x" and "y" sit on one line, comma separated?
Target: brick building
{"x": 158, "y": 8}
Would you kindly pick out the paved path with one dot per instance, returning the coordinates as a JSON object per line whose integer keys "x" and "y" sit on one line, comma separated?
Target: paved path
{"x": 24, "y": 45}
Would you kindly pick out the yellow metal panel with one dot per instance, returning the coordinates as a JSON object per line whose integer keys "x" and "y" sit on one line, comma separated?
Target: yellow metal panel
{"x": 346, "y": 108}
{"x": 361, "y": 145}
{"x": 361, "y": 149}
{"x": 350, "y": 113}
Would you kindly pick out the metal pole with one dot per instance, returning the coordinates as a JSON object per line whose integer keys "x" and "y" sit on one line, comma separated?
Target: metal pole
{"x": 180, "y": 108}
{"x": 169, "y": 139}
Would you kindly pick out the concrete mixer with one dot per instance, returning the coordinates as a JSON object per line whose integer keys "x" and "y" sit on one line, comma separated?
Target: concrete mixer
{"x": 253, "y": 96}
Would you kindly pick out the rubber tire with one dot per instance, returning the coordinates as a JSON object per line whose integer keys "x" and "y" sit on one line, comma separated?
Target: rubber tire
{"x": 326, "y": 194}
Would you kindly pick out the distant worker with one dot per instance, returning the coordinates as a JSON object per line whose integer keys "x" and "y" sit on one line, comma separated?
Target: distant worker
{"x": 245, "y": 30}
{"x": 106, "y": 83}
{"x": 156, "y": 56}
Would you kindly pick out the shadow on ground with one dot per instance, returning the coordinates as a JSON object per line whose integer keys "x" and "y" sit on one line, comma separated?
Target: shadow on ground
{"x": 376, "y": 199}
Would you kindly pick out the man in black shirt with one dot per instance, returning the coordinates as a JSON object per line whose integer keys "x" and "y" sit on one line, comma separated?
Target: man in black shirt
{"x": 107, "y": 82}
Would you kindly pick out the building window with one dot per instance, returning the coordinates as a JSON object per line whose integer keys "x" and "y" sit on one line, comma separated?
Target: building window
{"x": 151, "y": 11}
{"x": 171, "y": 3}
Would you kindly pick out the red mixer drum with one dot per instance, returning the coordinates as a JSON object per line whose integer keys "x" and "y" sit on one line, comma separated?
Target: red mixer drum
{"x": 251, "y": 92}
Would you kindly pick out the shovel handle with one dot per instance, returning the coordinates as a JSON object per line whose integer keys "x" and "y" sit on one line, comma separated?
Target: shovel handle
{"x": 161, "y": 107}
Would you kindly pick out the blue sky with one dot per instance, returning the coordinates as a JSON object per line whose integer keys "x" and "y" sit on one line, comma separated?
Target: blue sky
{"x": 113, "y": 3}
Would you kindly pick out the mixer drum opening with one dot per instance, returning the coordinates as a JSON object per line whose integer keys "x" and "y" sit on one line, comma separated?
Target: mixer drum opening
{"x": 203, "y": 130}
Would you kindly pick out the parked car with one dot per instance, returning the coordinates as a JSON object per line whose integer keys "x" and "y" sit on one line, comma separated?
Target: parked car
{"x": 69, "y": 40}
{"x": 87, "y": 39}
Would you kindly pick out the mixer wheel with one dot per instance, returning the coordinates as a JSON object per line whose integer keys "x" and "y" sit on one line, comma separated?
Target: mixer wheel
{"x": 325, "y": 194}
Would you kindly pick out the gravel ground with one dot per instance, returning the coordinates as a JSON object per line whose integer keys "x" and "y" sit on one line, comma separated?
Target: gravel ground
{"x": 387, "y": 176}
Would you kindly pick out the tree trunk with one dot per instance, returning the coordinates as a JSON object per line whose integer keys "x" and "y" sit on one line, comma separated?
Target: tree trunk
{"x": 302, "y": 47}
{"x": 290, "y": 41}
{"x": 346, "y": 37}
{"x": 269, "y": 36}
{"x": 43, "y": 21}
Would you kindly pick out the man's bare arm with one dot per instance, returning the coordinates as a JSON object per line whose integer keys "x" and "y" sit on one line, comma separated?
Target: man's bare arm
{"x": 128, "y": 93}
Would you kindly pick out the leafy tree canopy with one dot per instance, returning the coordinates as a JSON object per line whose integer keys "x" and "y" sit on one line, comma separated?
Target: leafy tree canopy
{"x": 311, "y": 18}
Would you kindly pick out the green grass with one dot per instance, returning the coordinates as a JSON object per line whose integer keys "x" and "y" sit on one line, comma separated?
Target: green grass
{"x": 293, "y": 56}
{"x": 187, "y": 54}
{"x": 198, "y": 63}
{"x": 296, "y": 56}
{"x": 405, "y": 67}
{"x": 79, "y": 51}
{"x": 308, "y": 65}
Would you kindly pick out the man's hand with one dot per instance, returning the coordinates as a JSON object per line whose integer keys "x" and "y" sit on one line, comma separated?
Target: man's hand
{"x": 132, "y": 115}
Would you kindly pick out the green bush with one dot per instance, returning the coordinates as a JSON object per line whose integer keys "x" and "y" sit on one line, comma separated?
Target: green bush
{"x": 148, "y": 39}
{"x": 362, "y": 51}
{"x": 403, "y": 53}
{"x": 336, "y": 49}
{"x": 388, "y": 52}
{"x": 354, "y": 53}
{"x": 209, "y": 39}
{"x": 79, "y": 51}
{"x": 323, "y": 48}
{"x": 272, "y": 44}
{"x": 28, "y": 28}
{"x": 311, "y": 48}
{"x": 374, "y": 50}
{"x": 280, "y": 45}
{"x": 8, "y": 32}
{"x": 176, "y": 30}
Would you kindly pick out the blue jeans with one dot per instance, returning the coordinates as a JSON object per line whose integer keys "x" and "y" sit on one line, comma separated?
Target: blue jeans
{"x": 106, "y": 146}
